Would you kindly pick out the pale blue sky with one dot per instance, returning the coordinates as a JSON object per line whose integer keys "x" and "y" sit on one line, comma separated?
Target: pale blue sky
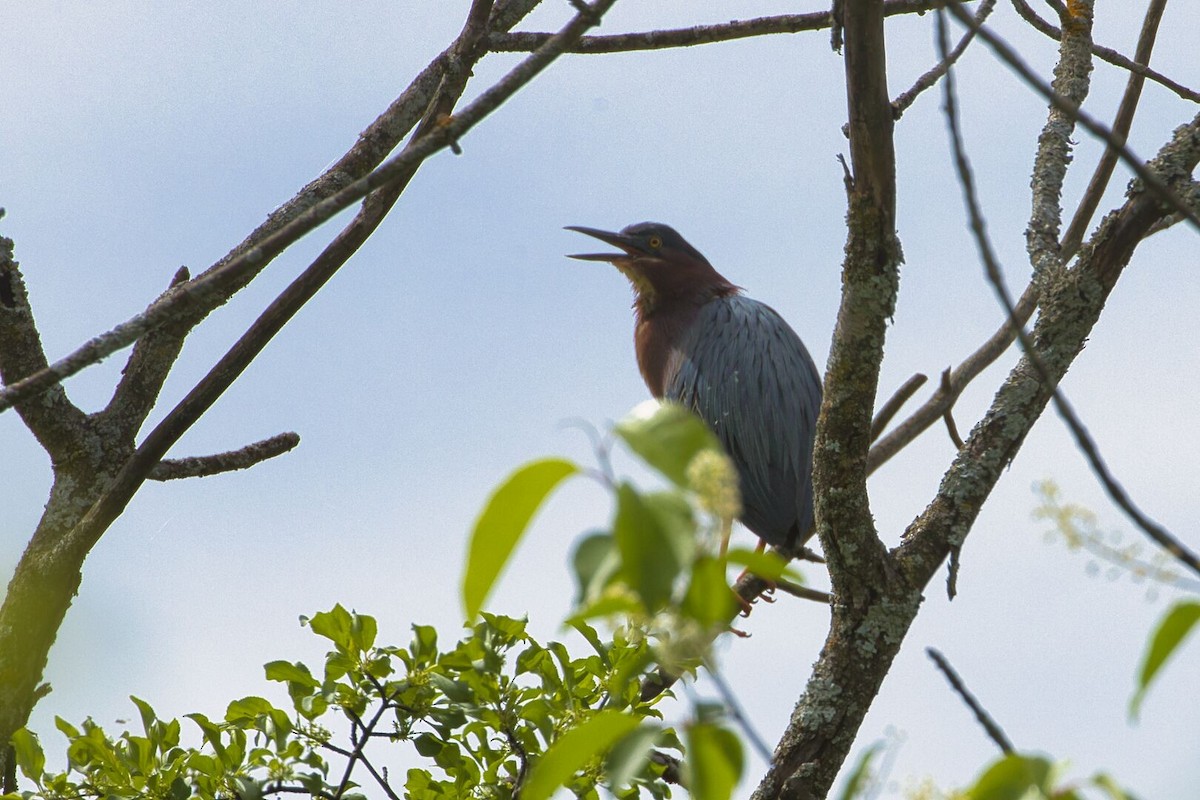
{"x": 138, "y": 137}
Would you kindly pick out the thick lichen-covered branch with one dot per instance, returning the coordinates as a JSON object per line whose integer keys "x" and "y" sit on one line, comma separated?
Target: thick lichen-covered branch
{"x": 1071, "y": 82}
{"x": 871, "y": 610}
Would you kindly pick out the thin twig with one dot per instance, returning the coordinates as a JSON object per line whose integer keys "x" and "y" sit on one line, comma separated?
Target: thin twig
{"x": 1084, "y": 441}
{"x": 1107, "y": 54}
{"x": 889, "y": 409}
{"x": 933, "y": 408}
{"x": 1098, "y": 129}
{"x": 994, "y": 732}
{"x": 1121, "y": 125}
{"x": 524, "y": 41}
{"x": 948, "y": 414}
{"x": 906, "y": 99}
{"x": 735, "y": 710}
{"x": 803, "y": 592}
{"x": 170, "y": 469}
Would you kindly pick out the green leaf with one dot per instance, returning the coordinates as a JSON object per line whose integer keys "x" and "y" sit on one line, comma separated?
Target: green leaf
{"x": 335, "y": 626}
{"x": 709, "y": 600}
{"x": 609, "y": 604}
{"x": 573, "y": 750}
{"x": 1010, "y": 777}
{"x": 1111, "y": 788}
{"x": 147, "y": 714}
{"x": 714, "y": 761}
{"x": 595, "y": 561}
{"x": 362, "y": 631}
{"x": 593, "y": 638}
{"x": 30, "y": 757}
{"x": 766, "y": 564}
{"x": 68, "y": 730}
{"x": 290, "y": 673}
{"x": 860, "y": 776}
{"x": 674, "y": 514}
{"x": 504, "y": 520}
{"x": 649, "y": 560}
{"x": 667, "y": 439}
{"x": 629, "y": 756}
{"x": 1175, "y": 626}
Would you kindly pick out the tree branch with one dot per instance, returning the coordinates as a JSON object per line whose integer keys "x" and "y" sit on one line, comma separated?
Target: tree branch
{"x": 172, "y": 469}
{"x": 394, "y": 173}
{"x": 906, "y": 98}
{"x": 1121, "y": 125}
{"x": 1108, "y": 54}
{"x": 994, "y": 731}
{"x": 1053, "y": 155}
{"x": 144, "y": 374}
{"x": 347, "y": 181}
{"x": 858, "y": 649}
{"x": 1105, "y": 276}
{"x": 207, "y": 290}
{"x": 49, "y": 573}
{"x": 523, "y": 41}
{"x": 947, "y": 392}
{"x": 889, "y": 409}
{"x": 59, "y": 426}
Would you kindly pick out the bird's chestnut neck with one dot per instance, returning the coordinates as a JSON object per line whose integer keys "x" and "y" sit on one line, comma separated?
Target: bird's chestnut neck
{"x": 660, "y": 286}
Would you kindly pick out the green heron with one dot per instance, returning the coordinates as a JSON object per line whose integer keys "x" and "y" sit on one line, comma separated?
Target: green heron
{"x": 734, "y": 362}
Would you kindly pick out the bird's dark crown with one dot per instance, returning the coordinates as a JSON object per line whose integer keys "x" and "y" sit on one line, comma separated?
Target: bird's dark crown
{"x": 662, "y": 266}
{"x": 661, "y": 241}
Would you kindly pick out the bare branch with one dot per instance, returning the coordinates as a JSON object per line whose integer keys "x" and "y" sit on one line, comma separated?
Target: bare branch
{"x": 145, "y": 372}
{"x": 58, "y": 425}
{"x": 948, "y": 414}
{"x": 994, "y": 732}
{"x": 906, "y": 98}
{"x": 870, "y": 281}
{"x": 1107, "y": 54}
{"x": 889, "y": 409}
{"x": 860, "y": 645}
{"x": 171, "y": 469}
{"x": 1121, "y": 125}
{"x": 803, "y": 592}
{"x": 1053, "y": 155}
{"x": 935, "y": 407}
{"x": 699, "y": 34}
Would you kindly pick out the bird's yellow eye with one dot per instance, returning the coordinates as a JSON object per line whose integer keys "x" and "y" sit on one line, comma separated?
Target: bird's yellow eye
{"x": 655, "y": 242}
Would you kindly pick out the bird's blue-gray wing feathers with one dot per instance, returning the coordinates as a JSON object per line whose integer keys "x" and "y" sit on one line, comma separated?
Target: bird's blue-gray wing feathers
{"x": 748, "y": 375}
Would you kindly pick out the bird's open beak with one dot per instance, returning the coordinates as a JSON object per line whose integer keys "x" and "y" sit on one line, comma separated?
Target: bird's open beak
{"x": 615, "y": 239}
